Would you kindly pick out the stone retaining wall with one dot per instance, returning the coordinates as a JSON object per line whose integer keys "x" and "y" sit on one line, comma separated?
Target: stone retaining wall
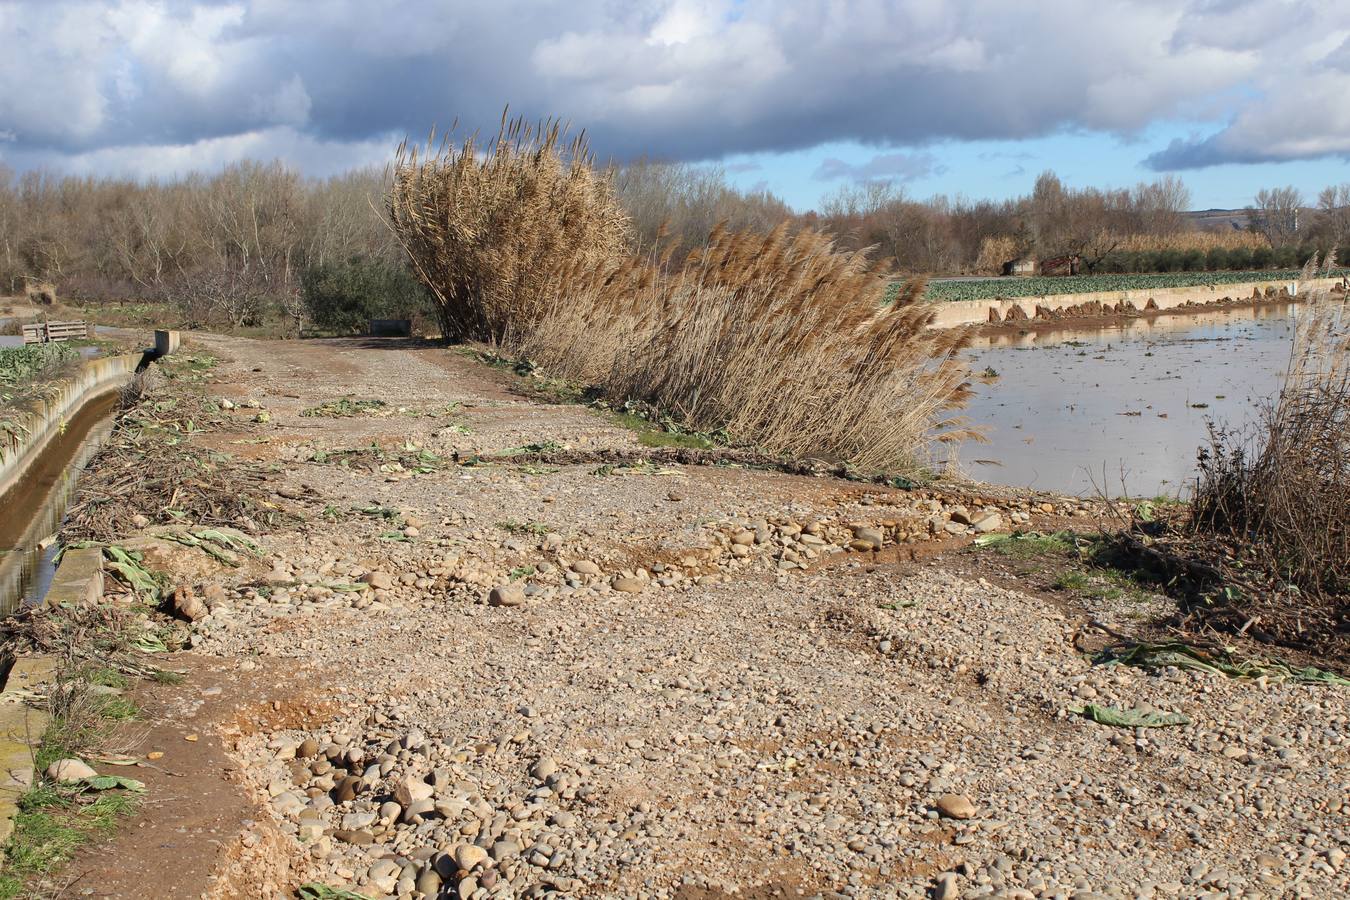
{"x": 954, "y": 313}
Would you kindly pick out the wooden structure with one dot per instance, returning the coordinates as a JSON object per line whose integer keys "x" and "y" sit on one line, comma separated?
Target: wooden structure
{"x": 1061, "y": 265}
{"x": 52, "y": 332}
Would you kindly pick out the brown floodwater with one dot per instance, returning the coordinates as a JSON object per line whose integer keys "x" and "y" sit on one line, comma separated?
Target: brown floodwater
{"x": 35, "y": 507}
{"x": 1121, "y": 407}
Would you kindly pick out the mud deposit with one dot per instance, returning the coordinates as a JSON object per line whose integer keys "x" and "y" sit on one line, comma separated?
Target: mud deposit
{"x": 1122, "y": 406}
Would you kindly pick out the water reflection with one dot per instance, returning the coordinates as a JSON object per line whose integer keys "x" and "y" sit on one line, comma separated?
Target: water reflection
{"x": 1124, "y": 406}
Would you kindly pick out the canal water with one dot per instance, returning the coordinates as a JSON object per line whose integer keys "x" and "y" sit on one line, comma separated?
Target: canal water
{"x": 1121, "y": 408}
{"x": 32, "y": 512}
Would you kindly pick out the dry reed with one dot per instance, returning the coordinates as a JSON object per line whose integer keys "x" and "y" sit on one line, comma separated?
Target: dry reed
{"x": 490, "y": 231}
{"x": 1186, "y": 241}
{"x": 778, "y": 340}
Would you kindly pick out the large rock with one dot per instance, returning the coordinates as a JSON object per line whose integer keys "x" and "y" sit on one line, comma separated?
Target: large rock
{"x": 379, "y": 581}
{"x": 187, "y": 605}
{"x": 985, "y": 522}
{"x": 469, "y": 855}
{"x": 507, "y": 595}
{"x": 412, "y": 789}
{"x": 65, "y": 771}
{"x": 955, "y": 806}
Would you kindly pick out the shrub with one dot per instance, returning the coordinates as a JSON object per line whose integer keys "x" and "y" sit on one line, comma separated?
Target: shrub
{"x": 345, "y": 297}
{"x": 41, "y": 293}
{"x": 1193, "y": 260}
{"x": 1217, "y": 259}
{"x": 1261, "y": 257}
{"x": 1144, "y": 261}
{"x": 491, "y": 233}
{"x": 1240, "y": 258}
{"x": 1168, "y": 261}
{"x": 1283, "y": 493}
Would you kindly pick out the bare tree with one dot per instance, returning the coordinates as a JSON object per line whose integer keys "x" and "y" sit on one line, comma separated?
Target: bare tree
{"x": 1333, "y": 205}
{"x": 1275, "y": 214}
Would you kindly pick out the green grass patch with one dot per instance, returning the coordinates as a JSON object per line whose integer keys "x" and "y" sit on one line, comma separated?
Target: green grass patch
{"x": 1028, "y": 544}
{"x": 650, "y": 434}
{"x": 1072, "y": 580}
{"x": 108, "y": 678}
{"x": 53, "y": 821}
{"x": 33, "y": 362}
{"x": 510, "y": 526}
{"x": 50, "y": 827}
{"x": 1042, "y": 286}
{"x": 344, "y": 408}
{"x": 188, "y": 366}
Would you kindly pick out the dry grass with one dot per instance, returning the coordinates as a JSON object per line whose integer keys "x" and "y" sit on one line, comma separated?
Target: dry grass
{"x": 1184, "y": 241}
{"x": 149, "y": 467}
{"x": 994, "y": 252}
{"x": 776, "y": 340}
{"x": 1290, "y": 488}
{"x": 493, "y": 231}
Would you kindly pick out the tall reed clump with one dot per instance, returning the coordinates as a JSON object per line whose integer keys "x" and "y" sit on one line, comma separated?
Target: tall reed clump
{"x": 492, "y": 230}
{"x": 779, "y": 340}
{"x": 1283, "y": 495}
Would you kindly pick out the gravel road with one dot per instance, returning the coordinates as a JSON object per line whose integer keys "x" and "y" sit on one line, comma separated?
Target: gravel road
{"x": 700, "y": 682}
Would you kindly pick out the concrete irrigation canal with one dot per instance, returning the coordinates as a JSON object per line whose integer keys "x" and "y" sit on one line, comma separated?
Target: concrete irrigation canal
{"x": 41, "y": 461}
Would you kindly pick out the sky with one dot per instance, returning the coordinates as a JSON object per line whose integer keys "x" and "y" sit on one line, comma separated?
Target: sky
{"x": 961, "y": 97}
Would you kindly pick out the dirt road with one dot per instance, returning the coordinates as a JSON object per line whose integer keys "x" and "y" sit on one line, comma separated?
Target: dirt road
{"x": 591, "y": 680}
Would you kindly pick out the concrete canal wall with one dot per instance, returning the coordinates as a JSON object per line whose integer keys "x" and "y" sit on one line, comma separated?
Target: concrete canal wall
{"x": 95, "y": 377}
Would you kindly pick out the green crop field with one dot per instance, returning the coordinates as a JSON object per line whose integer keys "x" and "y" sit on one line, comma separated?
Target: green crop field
{"x": 1080, "y": 284}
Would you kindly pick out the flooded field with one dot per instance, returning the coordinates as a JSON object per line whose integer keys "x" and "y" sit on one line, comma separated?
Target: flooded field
{"x": 1123, "y": 407}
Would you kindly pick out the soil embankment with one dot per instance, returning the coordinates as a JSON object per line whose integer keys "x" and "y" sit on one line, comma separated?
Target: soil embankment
{"x": 1019, "y": 312}
{"x": 471, "y": 672}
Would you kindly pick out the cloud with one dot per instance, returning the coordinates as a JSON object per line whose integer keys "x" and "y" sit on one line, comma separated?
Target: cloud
{"x": 900, "y": 167}
{"x": 1305, "y": 121}
{"x": 1294, "y": 105}
{"x": 90, "y": 80}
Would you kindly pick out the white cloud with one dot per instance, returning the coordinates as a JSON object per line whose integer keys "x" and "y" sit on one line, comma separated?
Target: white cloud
{"x": 688, "y": 79}
{"x": 314, "y": 156}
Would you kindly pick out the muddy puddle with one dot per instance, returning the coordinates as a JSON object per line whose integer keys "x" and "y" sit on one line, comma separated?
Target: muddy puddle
{"x": 1123, "y": 407}
{"x": 34, "y": 509}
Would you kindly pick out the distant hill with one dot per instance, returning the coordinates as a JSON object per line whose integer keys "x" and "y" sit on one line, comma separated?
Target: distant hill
{"x": 1218, "y": 219}
{"x": 1226, "y": 219}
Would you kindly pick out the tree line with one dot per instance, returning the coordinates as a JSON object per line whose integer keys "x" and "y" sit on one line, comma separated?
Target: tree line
{"x": 261, "y": 241}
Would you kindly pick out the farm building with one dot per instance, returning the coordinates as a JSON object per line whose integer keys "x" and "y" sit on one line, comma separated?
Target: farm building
{"x": 1022, "y": 265}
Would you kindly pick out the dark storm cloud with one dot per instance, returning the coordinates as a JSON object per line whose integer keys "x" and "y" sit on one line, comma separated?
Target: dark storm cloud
{"x": 159, "y": 84}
